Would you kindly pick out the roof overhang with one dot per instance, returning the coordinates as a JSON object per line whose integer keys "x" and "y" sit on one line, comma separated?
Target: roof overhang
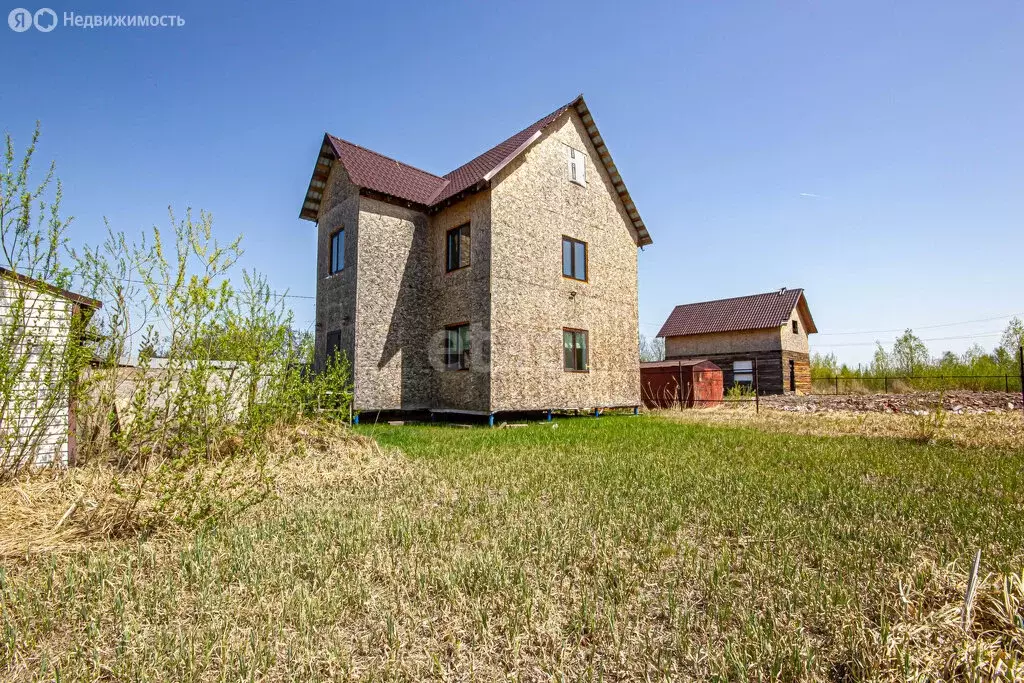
{"x": 318, "y": 183}
{"x": 643, "y": 237}
{"x": 805, "y": 313}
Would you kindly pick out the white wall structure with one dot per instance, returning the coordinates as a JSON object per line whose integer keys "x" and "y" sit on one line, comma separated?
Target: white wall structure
{"x": 36, "y": 408}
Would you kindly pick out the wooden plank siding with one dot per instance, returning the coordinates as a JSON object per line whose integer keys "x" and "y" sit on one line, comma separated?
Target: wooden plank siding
{"x": 34, "y": 424}
{"x": 772, "y": 368}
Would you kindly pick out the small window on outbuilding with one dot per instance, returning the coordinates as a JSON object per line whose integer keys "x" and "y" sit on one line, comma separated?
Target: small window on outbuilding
{"x": 577, "y": 166}
{"x": 457, "y": 248}
{"x": 456, "y": 347}
{"x": 337, "y": 252}
{"x": 743, "y": 372}
{"x": 796, "y": 327}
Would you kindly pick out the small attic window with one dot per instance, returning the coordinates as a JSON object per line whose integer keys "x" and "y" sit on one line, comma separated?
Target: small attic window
{"x": 577, "y": 166}
{"x": 796, "y": 327}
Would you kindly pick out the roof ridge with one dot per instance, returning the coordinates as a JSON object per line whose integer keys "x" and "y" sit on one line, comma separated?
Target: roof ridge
{"x": 783, "y": 290}
{"x": 555, "y": 113}
{"x": 385, "y": 156}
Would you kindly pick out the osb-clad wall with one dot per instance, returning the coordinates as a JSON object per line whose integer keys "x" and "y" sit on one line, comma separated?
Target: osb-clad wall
{"x": 394, "y": 299}
{"x": 795, "y": 342}
{"x": 336, "y": 294}
{"x": 391, "y": 369}
{"x": 723, "y": 342}
{"x": 533, "y": 204}
{"x": 461, "y": 296}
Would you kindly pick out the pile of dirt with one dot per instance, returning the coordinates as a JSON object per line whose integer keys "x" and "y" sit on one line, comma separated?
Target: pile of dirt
{"x": 916, "y": 403}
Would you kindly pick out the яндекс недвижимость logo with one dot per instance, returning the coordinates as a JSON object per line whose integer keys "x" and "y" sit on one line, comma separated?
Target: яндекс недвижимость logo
{"x": 45, "y": 20}
{"x": 21, "y": 20}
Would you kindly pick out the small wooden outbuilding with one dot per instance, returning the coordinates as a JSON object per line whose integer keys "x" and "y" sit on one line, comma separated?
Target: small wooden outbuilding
{"x": 768, "y": 332}
{"x": 684, "y": 383}
{"x": 39, "y": 324}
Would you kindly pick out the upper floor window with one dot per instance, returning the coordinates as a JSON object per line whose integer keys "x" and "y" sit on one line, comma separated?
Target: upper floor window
{"x": 337, "y": 251}
{"x": 456, "y": 347}
{"x": 574, "y": 258}
{"x": 796, "y": 327}
{"x": 457, "y": 248}
{"x": 575, "y": 354}
{"x": 577, "y": 166}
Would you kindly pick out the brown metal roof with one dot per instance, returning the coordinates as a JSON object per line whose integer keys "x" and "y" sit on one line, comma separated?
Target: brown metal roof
{"x": 755, "y": 312}
{"x": 46, "y": 287}
{"x": 487, "y": 164}
{"x": 384, "y": 175}
{"x": 374, "y": 171}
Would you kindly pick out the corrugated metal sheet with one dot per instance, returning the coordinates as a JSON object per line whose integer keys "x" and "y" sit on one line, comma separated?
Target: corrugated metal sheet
{"x": 682, "y": 383}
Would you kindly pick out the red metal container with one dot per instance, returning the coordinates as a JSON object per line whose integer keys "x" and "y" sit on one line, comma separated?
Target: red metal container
{"x": 681, "y": 383}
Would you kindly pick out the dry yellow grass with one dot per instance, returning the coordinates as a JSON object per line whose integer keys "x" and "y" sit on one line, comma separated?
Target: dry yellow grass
{"x": 55, "y": 510}
{"x": 985, "y": 430}
{"x": 617, "y": 548}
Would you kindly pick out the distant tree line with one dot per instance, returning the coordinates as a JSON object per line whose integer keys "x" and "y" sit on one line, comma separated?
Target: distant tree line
{"x": 910, "y": 357}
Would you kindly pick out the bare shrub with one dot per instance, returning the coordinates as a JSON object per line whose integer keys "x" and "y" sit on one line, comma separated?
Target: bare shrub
{"x": 178, "y": 379}
{"x": 40, "y": 329}
{"x": 216, "y": 368}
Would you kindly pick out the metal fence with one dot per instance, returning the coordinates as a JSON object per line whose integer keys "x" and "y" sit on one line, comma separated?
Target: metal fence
{"x": 852, "y": 384}
{"x": 888, "y": 384}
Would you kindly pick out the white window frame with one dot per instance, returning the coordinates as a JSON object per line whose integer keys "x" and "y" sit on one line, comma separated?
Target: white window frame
{"x": 743, "y": 372}
{"x": 577, "y": 166}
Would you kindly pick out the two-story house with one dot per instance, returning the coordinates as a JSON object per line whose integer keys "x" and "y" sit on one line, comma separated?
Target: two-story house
{"x": 759, "y": 339}
{"x": 508, "y": 284}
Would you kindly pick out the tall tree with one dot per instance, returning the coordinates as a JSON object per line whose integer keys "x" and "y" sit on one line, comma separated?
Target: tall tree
{"x": 1013, "y": 336}
{"x": 909, "y": 353}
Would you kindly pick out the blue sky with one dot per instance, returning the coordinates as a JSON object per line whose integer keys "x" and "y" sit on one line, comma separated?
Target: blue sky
{"x": 870, "y": 152}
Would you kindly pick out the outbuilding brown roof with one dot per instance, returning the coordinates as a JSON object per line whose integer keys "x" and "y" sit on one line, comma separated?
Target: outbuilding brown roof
{"x": 755, "y": 312}
{"x": 394, "y": 179}
{"x": 79, "y": 299}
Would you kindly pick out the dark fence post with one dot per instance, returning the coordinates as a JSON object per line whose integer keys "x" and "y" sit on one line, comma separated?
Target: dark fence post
{"x": 837, "y": 386}
{"x": 680, "y": 385}
{"x": 885, "y": 384}
{"x": 757, "y": 400}
{"x": 1021, "y": 358}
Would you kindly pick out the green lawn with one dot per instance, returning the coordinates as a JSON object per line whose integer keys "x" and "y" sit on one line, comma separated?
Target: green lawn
{"x": 618, "y": 548}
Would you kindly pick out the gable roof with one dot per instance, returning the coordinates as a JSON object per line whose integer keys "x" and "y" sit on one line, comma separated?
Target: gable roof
{"x": 393, "y": 179}
{"x": 50, "y": 289}
{"x": 754, "y": 312}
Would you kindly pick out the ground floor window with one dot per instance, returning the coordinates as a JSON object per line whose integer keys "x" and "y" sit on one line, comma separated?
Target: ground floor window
{"x": 743, "y": 372}
{"x": 456, "y": 347}
{"x": 575, "y": 350}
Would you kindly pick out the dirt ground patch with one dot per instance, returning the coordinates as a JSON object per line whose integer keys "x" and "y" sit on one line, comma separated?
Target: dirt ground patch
{"x": 915, "y": 403}
{"x": 909, "y": 420}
